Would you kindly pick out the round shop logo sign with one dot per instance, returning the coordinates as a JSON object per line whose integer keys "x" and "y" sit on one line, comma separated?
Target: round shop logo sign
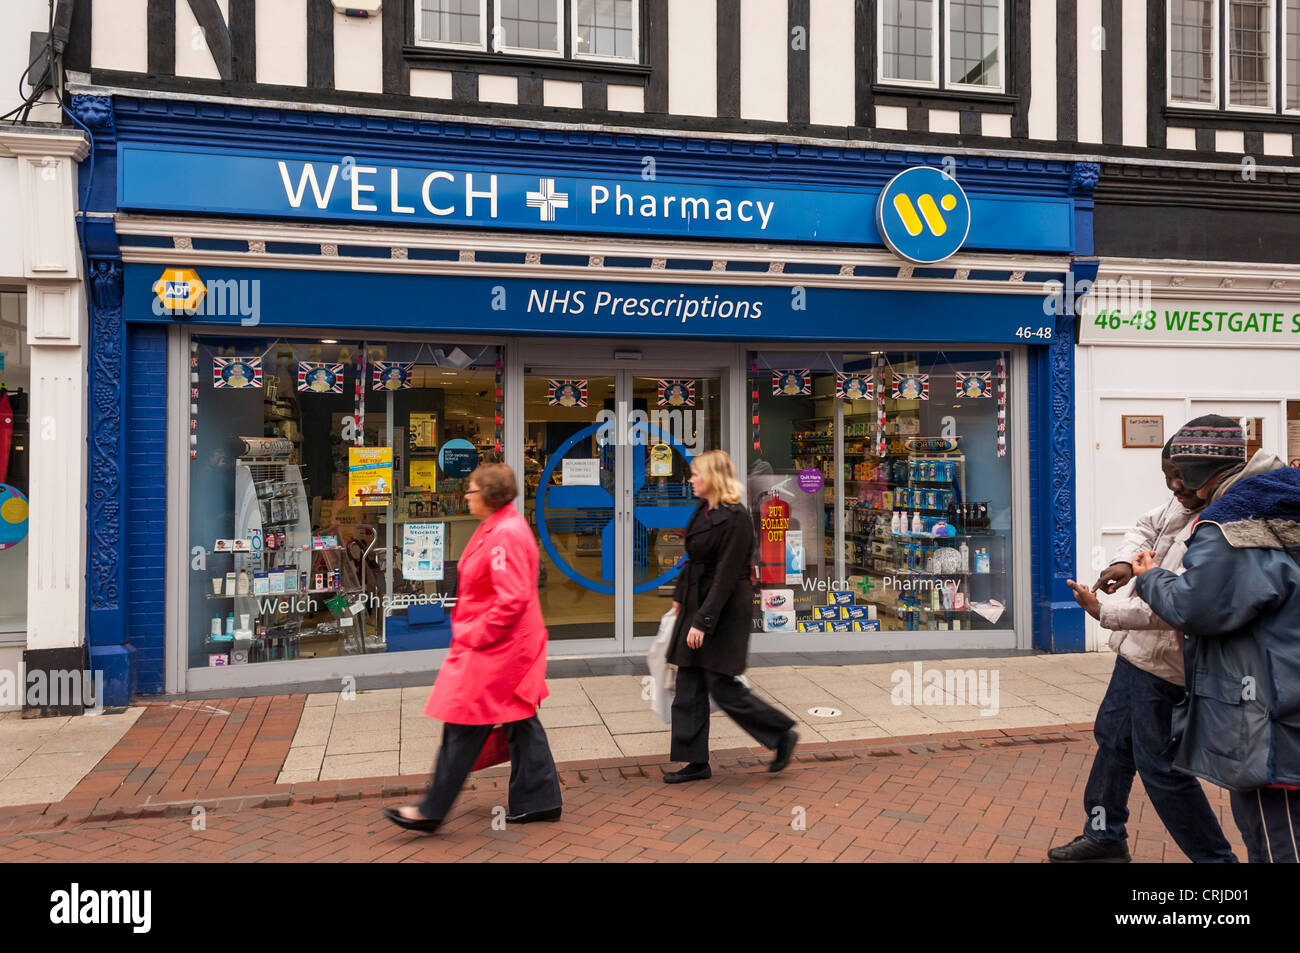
{"x": 923, "y": 215}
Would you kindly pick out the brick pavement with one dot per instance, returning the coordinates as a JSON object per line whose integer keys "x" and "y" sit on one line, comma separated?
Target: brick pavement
{"x": 182, "y": 750}
{"x": 1005, "y": 796}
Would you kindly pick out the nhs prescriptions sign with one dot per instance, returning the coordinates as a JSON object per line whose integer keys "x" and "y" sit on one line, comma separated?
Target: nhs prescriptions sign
{"x": 355, "y": 189}
{"x": 923, "y": 215}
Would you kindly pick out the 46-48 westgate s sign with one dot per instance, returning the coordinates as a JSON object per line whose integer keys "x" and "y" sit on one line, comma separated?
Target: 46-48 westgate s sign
{"x": 360, "y": 189}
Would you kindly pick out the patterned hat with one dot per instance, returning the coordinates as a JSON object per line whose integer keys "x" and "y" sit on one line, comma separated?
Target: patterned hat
{"x": 1206, "y": 446}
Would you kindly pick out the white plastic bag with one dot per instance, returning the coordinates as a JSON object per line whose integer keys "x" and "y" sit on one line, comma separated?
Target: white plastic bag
{"x": 663, "y": 674}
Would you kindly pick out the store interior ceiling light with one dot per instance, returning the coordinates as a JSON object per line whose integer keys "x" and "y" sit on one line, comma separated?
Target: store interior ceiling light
{"x": 328, "y": 341}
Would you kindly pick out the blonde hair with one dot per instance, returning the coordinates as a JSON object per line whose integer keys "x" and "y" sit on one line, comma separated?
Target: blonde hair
{"x": 720, "y": 476}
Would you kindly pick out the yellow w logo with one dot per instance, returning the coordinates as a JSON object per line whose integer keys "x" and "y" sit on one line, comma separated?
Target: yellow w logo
{"x": 928, "y": 210}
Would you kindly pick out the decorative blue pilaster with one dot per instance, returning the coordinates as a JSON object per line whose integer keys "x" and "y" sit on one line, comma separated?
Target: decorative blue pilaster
{"x": 106, "y": 633}
{"x": 1058, "y": 619}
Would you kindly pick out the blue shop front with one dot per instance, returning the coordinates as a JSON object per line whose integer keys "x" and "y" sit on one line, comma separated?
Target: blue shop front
{"x": 309, "y": 328}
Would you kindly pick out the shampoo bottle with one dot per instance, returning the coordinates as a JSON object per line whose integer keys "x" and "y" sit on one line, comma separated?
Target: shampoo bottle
{"x": 917, "y": 526}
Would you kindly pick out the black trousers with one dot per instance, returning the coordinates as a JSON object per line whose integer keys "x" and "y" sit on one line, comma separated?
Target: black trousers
{"x": 1269, "y": 821}
{"x": 691, "y": 713}
{"x": 534, "y": 784}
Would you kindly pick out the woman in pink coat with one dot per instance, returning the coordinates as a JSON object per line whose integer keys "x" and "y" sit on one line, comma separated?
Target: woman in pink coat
{"x": 495, "y": 672}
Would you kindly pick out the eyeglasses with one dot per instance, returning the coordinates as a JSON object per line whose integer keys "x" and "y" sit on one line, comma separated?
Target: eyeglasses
{"x": 468, "y": 492}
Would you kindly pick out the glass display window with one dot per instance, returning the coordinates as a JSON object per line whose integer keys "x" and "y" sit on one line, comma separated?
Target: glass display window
{"x": 880, "y": 483}
{"x": 327, "y": 482}
{"x": 15, "y": 442}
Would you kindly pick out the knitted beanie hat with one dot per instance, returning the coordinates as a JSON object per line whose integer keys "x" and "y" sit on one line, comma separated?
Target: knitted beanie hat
{"x": 1206, "y": 446}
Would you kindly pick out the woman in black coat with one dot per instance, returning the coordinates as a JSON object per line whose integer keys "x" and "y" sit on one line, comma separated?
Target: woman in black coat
{"x": 714, "y": 602}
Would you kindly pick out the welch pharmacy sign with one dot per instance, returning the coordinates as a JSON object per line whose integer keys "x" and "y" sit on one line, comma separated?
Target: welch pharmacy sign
{"x": 359, "y": 190}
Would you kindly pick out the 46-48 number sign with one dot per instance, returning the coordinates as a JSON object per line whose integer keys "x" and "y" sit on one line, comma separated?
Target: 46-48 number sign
{"x": 1114, "y": 320}
{"x": 1045, "y": 333}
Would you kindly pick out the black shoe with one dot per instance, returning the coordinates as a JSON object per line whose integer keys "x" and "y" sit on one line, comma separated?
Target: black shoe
{"x": 1085, "y": 850}
{"x": 784, "y": 751}
{"x": 692, "y": 772}
{"x": 529, "y": 816}
{"x": 423, "y": 824}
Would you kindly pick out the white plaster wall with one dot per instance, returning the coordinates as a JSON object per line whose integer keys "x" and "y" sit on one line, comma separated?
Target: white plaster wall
{"x": 693, "y": 57}
{"x": 11, "y": 235}
{"x": 1089, "y": 71}
{"x": 193, "y": 58}
{"x": 281, "y": 37}
{"x": 359, "y": 53}
{"x": 764, "y": 42}
{"x": 1042, "y": 63}
{"x": 831, "y": 81}
{"x": 1135, "y": 74}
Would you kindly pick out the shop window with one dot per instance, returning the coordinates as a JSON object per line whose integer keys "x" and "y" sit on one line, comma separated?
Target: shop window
{"x": 15, "y": 440}
{"x": 867, "y": 528}
{"x": 327, "y": 520}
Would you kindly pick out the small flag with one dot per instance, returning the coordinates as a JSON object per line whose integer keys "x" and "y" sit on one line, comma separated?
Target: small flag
{"x": 566, "y": 393}
{"x": 791, "y": 383}
{"x": 855, "y": 386}
{"x": 974, "y": 384}
{"x": 392, "y": 375}
{"x": 236, "y": 372}
{"x": 911, "y": 387}
{"x": 320, "y": 378}
{"x": 676, "y": 393}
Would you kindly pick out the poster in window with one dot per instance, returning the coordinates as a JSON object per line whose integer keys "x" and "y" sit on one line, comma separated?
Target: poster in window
{"x": 423, "y": 546}
{"x": 661, "y": 460}
{"x": 424, "y": 431}
{"x": 424, "y": 474}
{"x": 370, "y": 476}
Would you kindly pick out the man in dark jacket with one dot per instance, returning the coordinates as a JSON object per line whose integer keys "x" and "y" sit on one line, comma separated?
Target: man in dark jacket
{"x": 1238, "y": 602}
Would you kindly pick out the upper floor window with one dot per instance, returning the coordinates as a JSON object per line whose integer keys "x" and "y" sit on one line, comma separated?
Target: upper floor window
{"x": 597, "y": 29}
{"x": 1235, "y": 54}
{"x": 942, "y": 44}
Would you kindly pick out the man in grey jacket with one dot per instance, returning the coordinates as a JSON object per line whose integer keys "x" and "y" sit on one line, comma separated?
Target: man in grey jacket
{"x": 1132, "y": 727}
{"x": 1238, "y": 601}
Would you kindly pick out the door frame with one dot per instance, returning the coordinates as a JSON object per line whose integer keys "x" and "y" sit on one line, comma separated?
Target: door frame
{"x": 540, "y": 364}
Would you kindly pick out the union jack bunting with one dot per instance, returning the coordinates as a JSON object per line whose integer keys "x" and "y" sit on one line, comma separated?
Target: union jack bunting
{"x": 1002, "y": 406}
{"x": 882, "y": 446}
{"x": 791, "y": 383}
{"x": 359, "y": 401}
{"x": 236, "y": 372}
{"x": 320, "y": 378}
{"x": 566, "y": 393}
{"x": 676, "y": 393}
{"x": 974, "y": 384}
{"x": 911, "y": 387}
{"x": 392, "y": 375}
{"x": 855, "y": 386}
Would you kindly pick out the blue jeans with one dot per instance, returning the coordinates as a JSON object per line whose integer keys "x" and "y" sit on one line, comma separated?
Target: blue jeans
{"x": 1133, "y": 731}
